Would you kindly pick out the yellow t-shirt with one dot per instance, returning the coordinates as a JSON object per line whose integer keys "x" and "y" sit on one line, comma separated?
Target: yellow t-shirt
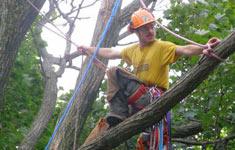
{"x": 151, "y": 63}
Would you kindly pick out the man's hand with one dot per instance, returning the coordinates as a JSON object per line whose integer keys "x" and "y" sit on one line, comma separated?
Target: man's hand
{"x": 212, "y": 43}
{"x": 208, "y": 49}
{"x": 83, "y": 49}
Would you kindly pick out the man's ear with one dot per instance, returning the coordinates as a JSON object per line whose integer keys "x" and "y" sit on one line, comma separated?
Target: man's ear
{"x": 130, "y": 29}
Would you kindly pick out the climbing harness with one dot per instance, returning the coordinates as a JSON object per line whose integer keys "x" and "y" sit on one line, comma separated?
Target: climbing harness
{"x": 157, "y": 136}
{"x": 157, "y": 131}
{"x": 207, "y": 48}
{"x": 138, "y": 93}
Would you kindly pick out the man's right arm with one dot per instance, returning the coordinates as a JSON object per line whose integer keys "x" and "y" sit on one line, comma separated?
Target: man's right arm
{"x": 103, "y": 52}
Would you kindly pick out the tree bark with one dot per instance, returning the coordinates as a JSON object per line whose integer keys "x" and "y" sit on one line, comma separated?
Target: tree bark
{"x": 50, "y": 88}
{"x": 222, "y": 142}
{"x": 44, "y": 115}
{"x": 173, "y": 96}
{"x": 64, "y": 138}
{"x": 16, "y": 17}
{"x": 186, "y": 130}
{"x": 222, "y": 145}
{"x": 84, "y": 100}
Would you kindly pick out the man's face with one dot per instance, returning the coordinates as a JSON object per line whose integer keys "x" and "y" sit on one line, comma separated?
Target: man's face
{"x": 146, "y": 33}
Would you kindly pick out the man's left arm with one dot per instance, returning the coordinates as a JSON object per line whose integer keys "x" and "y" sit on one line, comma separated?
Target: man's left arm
{"x": 190, "y": 50}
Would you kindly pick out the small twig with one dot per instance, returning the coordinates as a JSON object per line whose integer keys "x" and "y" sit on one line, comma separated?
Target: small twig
{"x": 90, "y": 4}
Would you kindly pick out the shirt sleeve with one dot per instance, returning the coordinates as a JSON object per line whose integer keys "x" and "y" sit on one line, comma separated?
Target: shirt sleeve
{"x": 126, "y": 54}
{"x": 169, "y": 55}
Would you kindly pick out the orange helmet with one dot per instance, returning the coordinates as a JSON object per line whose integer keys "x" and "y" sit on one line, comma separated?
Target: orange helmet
{"x": 140, "y": 18}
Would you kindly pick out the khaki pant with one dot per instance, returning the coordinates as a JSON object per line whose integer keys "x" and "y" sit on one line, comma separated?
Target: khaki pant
{"x": 122, "y": 85}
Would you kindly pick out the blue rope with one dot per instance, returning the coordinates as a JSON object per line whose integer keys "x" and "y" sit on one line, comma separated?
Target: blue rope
{"x": 161, "y": 135}
{"x": 168, "y": 118}
{"x": 114, "y": 11}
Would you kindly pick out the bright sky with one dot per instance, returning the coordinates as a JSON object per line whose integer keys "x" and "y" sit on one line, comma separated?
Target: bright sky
{"x": 82, "y": 36}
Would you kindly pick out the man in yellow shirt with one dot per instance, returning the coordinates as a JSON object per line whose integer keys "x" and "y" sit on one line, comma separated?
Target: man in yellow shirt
{"x": 150, "y": 59}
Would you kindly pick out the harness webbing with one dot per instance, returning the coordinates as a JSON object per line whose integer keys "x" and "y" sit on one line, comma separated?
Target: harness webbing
{"x": 113, "y": 13}
{"x": 138, "y": 93}
{"x": 168, "y": 120}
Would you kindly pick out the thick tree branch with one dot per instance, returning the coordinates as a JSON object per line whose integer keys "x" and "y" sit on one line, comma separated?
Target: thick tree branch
{"x": 173, "y": 96}
{"x": 124, "y": 35}
{"x": 50, "y": 89}
{"x": 85, "y": 98}
{"x": 71, "y": 23}
{"x": 189, "y": 129}
{"x": 127, "y": 43}
{"x": 187, "y": 142}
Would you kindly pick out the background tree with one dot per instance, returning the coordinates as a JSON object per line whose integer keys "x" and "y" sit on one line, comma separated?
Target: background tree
{"x": 211, "y": 103}
{"x": 23, "y": 94}
{"x": 48, "y": 62}
{"x": 16, "y": 18}
{"x": 72, "y": 128}
{"x": 195, "y": 25}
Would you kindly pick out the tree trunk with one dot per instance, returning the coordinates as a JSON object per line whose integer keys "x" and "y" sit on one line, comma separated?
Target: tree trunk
{"x": 173, "y": 96}
{"x": 15, "y": 19}
{"x": 84, "y": 99}
{"x": 50, "y": 89}
{"x": 88, "y": 91}
{"x": 44, "y": 115}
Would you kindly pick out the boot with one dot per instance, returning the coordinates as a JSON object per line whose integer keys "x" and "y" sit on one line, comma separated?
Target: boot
{"x": 99, "y": 129}
{"x": 143, "y": 141}
{"x": 119, "y": 110}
